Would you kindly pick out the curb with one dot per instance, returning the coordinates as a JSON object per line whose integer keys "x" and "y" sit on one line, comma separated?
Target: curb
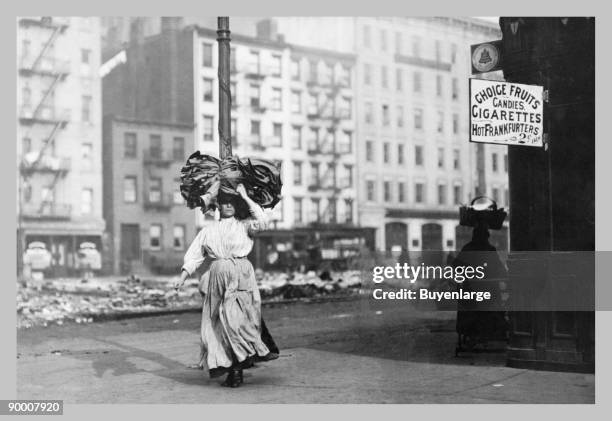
{"x": 106, "y": 317}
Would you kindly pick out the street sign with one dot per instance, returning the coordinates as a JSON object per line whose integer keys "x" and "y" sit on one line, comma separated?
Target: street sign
{"x": 506, "y": 113}
{"x": 486, "y": 57}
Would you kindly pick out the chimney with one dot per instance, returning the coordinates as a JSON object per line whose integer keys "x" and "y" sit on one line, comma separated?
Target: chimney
{"x": 171, "y": 23}
{"x": 267, "y": 29}
{"x": 136, "y": 31}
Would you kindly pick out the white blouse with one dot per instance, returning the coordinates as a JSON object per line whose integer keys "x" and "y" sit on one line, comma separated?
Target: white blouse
{"x": 224, "y": 239}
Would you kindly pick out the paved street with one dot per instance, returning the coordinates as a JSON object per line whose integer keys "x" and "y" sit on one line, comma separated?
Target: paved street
{"x": 356, "y": 351}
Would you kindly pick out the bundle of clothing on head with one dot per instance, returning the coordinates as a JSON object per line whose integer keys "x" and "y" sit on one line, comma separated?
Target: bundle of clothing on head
{"x": 261, "y": 179}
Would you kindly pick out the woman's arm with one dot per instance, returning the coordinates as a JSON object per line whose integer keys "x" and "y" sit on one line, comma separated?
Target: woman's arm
{"x": 192, "y": 260}
{"x": 259, "y": 221}
{"x": 210, "y": 196}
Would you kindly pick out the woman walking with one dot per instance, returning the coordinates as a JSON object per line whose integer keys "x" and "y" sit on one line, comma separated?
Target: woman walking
{"x": 231, "y": 331}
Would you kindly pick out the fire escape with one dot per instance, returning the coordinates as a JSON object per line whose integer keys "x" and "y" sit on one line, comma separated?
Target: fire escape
{"x": 326, "y": 144}
{"x": 52, "y": 73}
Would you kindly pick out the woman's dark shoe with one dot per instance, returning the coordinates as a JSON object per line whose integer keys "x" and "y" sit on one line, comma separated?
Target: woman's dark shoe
{"x": 234, "y": 378}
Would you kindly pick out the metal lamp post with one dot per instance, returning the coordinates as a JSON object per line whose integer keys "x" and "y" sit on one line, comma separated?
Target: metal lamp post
{"x": 225, "y": 98}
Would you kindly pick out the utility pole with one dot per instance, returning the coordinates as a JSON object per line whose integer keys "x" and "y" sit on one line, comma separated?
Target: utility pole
{"x": 225, "y": 98}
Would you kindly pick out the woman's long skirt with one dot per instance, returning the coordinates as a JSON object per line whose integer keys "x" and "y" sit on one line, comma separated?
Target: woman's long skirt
{"x": 231, "y": 330}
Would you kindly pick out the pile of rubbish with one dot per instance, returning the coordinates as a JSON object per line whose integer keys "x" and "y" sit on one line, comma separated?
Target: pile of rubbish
{"x": 45, "y": 302}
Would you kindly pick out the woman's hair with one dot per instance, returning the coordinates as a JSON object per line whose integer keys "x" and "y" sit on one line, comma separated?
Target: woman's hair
{"x": 240, "y": 206}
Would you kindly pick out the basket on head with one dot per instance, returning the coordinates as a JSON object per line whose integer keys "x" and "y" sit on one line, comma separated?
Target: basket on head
{"x": 472, "y": 215}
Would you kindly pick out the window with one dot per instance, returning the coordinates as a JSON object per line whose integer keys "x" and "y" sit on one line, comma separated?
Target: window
{"x": 314, "y": 174}
{"x": 207, "y": 87}
{"x": 438, "y": 85}
{"x": 86, "y": 108}
{"x": 254, "y": 62}
{"x": 87, "y": 154}
{"x": 438, "y": 50}
{"x": 345, "y": 76}
{"x": 26, "y": 96}
{"x": 400, "y": 116}
{"x": 457, "y": 194}
{"x": 384, "y": 81}
{"x": 178, "y": 237}
{"x": 453, "y": 53}
{"x": 367, "y": 74}
{"x": 233, "y": 93}
{"x": 417, "y": 85}
{"x": 370, "y": 192}
{"x": 295, "y": 69}
{"x": 348, "y": 211}
{"x": 456, "y": 159}
{"x": 207, "y": 53}
{"x": 26, "y": 145}
{"x": 442, "y": 194}
{"x": 418, "y": 118}
{"x": 369, "y": 151}
{"x": 313, "y": 71}
{"x": 155, "y": 233}
{"x": 296, "y": 137}
{"x": 505, "y": 163}
{"x": 494, "y": 162}
{"x": 399, "y": 85}
{"x": 313, "y": 139}
{"x": 208, "y": 128}
{"x": 347, "y": 180}
{"x": 25, "y": 48}
{"x": 416, "y": 46}
{"x": 401, "y": 192}
{"x": 313, "y": 103}
{"x": 330, "y": 180}
{"x": 369, "y": 113}
{"x": 328, "y": 73}
{"x": 297, "y": 210}
{"x": 383, "y": 40}
{"x": 419, "y": 193}
{"x": 315, "y": 210}
{"x": 418, "y": 155}
{"x": 367, "y": 37}
{"x": 27, "y": 192}
{"x": 398, "y": 43}
{"x": 254, "y": 93}
{"x": 155, "y": 146}
{"x": 455, "y": 123}
{"x": 277, "y": 138}
{"x": 400, "y": 154}
{"x": 345, "y": 107}
{"x": 455, "y": 88}
{"x": 177, "y": 198}
{"x": 256, "y": 132}
{"x": 155, "y": 190}
{"x": 387, "y": 191}
{"x": 332, "y": 210}
{"x": 346, "y": 142}
{"x": 495, "y": 194}
{"x": 178, "y": 148}
{"x": 440, "y": 125}
{"x": 129, "y": 189}
{"x": 86, "y": 201}
{"x": 129, "y": 145}
{"x": 276, "y": 68}
{"x": 296, "y": 102}
{"x": 297, "y": 173}
{"x": 385, "y": 115}
{"x": 440, "y": 157}
{"x": 386, "y": 152}
{"x": 277, "y": 99}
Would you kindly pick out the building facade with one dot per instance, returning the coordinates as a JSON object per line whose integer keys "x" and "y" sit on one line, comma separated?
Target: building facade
{"x": 59, "y": 145}
{"x": 414, "y": 159}
{"x": 149, "y": 225}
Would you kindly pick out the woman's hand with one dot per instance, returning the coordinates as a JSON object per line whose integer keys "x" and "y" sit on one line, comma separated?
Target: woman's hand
{"x": 242, "y": 191}
{"x": 180, "y": 282}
